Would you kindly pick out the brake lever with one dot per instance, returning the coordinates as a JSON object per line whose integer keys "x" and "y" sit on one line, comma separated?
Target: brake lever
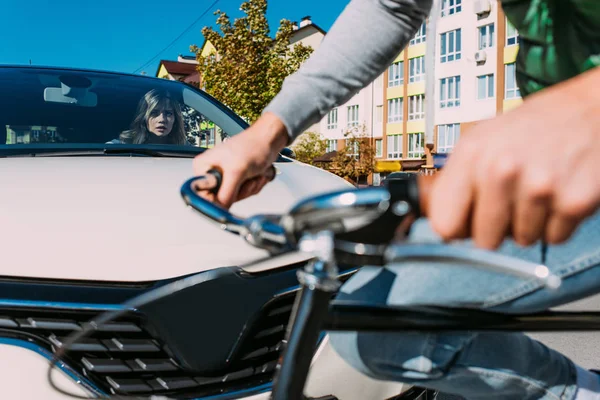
{"x": 472, "y": 258}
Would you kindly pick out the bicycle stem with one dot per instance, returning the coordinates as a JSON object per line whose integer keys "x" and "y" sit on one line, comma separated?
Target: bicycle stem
{"x": 318, "y": 282}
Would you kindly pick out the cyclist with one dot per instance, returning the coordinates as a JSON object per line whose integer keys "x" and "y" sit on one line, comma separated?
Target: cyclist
{"x": 533, "y": 178}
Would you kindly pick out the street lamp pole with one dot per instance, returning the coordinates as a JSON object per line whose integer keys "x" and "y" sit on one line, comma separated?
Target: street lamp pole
{"x": 430, "y": 53}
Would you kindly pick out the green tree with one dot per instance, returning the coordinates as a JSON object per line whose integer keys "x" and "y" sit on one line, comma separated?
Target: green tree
{"x": 357, "y": 158}
{"x": 250, "y": 66}
{"x": 308, "y": 146}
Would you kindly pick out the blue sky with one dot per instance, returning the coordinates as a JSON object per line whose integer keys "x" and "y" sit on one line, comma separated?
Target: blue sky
{"x": 122, "y": 35}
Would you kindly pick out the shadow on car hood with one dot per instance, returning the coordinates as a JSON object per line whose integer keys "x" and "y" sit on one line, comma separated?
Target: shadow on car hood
{"x": 122, "y": 218}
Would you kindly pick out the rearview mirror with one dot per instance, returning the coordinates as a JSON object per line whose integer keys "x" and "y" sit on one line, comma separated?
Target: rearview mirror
{"x": 72, "y": 90}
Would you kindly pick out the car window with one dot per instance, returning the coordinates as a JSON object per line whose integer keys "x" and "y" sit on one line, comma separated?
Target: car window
{"x": 48, "y": 107}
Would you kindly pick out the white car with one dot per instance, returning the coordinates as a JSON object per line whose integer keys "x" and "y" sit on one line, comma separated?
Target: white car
{"x": 91, "y": 216}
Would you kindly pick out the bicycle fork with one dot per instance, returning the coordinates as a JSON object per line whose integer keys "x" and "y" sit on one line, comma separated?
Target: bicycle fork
{"x": 318, "y": 282}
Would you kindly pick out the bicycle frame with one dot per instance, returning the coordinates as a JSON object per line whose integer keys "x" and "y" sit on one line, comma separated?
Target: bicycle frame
{"x": 314, "y": 312}
{"x": 368, "y": 318}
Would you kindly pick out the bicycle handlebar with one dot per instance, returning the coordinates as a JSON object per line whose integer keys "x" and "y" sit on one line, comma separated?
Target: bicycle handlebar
{"x": 364, "y": 221}
{"x": 343, "y": 211}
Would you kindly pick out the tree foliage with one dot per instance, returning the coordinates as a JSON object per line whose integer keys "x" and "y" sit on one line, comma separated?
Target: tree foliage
{"x": 308, "y": 146}
{"x": 250, "y": 66}
{"x": 357, "y": 158}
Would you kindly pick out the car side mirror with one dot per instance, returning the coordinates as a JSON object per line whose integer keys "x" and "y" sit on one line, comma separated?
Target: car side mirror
{"x": 287, "y": 152}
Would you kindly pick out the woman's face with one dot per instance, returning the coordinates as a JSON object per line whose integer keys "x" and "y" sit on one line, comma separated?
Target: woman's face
{"x": 161, "y": 120}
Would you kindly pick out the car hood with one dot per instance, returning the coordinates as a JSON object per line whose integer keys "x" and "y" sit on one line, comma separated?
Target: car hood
{"x": 123, "y": 219}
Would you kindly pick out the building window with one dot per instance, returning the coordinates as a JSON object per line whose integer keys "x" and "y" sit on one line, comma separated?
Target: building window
{"x": 395, "y": 109}
{"x": 486, "y": 36}
{"x": 416, "y": 69}
{"x": 450, "y": 92}
{"x": 447, "y": 137}
{"x": 416, "y": 145}
{"x": 331, "y": 145}
{"x": 396, "y": 74}
{"x": 379, "y": 114}
{"x": 512, "y": 36}
{"x": 332, "y": 119}
{"x": 394, "y": 146}
{"x": 420, "y": 35}
{"x": 416, "y": 107}
{"x": 353, "y": 148}
{"x": 378, "y": 147}
{"x": 450, "y": 46}
{"x": 353, "y": 115}
{"x": 450, "y": 7}
{"x": 485, "y": 87}
{"x": 511, "y": 89}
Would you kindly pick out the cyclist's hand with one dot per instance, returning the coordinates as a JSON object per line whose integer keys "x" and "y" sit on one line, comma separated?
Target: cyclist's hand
{"x": 531, "y": 173}
{"x": 244, "y": 160}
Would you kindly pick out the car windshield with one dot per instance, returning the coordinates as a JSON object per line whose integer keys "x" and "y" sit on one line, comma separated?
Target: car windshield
{"x": 57, "y": 109}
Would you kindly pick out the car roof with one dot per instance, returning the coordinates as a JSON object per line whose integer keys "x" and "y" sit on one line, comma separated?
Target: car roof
{"x": 74, "y": 69}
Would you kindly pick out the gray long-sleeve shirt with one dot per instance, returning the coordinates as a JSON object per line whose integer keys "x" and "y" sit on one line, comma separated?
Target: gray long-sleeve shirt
{"x": 362, "y": 43}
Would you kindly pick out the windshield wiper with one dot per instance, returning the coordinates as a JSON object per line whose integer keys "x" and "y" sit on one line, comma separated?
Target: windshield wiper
{"x": 155, "y": 152}
{"x": 108, "y": 150}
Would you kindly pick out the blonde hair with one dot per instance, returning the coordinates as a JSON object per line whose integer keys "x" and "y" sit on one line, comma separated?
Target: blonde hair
{"x": 156, "y": 98}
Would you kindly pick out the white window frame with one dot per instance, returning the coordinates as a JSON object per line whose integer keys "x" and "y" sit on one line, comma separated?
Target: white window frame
{"x": 378, "y": 147}
{"x": 451, "y": 7}
{"x": 451, "y": 134}
{"x": 378, "y": 114}
{"x": 355, "y": 149}
{"x": 512, "y": 39}
{"x": 394, "y": 146}
{"x": 451, "y": 39}
{"x": 487, "y": 35}
{"x": 395, "y": 110}
{"x": 416, "y": 107}
{"x": 353, "y": 116}
{"x": 420, "y": 36}
{"x": 450, "y": 90}
{"x": 512, "y": 92}
{"x": 416, "y": 69}
{"x": 396, "y": 74}
{"x": 488, "y": 81}
{"x": 332, "y": 119}
{"x": 416, "y": 148}
{"x": 331, "y": 145}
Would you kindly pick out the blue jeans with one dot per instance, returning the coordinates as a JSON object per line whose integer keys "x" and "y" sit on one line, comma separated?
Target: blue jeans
{"x": 473, "y": 365}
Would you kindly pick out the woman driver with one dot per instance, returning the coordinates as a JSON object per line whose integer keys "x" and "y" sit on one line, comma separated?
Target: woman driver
{"x": 158, "y": 121}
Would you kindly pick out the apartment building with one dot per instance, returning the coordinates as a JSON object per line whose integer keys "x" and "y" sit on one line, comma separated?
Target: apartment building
{"x": 473, "y": 69}
{"x": 364, "y": 109}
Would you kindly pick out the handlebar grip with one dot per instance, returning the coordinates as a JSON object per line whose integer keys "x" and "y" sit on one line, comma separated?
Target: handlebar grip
{"x": 413, "y": 190}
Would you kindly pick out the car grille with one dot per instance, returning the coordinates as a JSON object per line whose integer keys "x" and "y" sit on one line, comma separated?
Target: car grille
{"x": 122, "y": 357}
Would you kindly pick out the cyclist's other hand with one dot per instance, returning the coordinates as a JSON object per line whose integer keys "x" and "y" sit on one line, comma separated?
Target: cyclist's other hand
{"x": 530, "y": 174}
{"x": 244, "y": 160}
